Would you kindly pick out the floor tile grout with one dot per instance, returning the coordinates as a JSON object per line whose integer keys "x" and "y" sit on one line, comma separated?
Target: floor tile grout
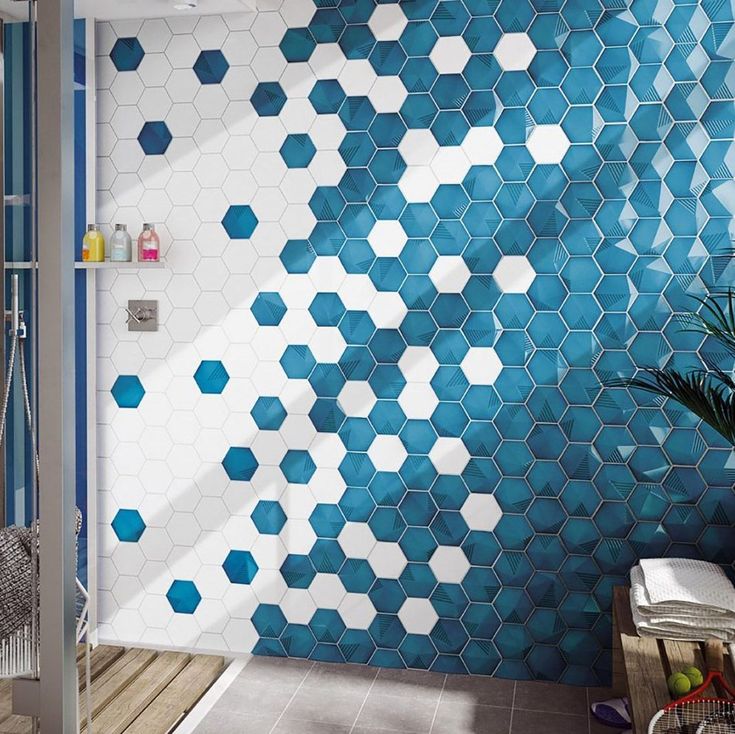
{"x": 364, "y": 701}
{"x": 290, "y": 700}
{"x": 512, "y": 707}
{"x": 438, "y": 702}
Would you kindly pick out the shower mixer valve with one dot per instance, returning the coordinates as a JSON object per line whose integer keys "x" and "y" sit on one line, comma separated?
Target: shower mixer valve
{"x": 14, "y": 315}
{"x": 142, "y": 315}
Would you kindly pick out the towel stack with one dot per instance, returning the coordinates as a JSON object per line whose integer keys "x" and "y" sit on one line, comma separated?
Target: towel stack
{"x": 682, "y": 599}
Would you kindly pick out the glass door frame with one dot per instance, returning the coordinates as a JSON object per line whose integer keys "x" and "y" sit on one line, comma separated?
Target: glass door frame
{"x": 56, "y": 406}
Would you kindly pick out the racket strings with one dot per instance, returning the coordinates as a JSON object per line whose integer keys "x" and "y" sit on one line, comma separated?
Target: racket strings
{"x": 705, "y": 716}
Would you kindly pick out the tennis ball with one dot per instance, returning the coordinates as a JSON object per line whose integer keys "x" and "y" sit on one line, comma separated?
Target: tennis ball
{"x": 695, "y": 675}
{"x": 679, "y": 685}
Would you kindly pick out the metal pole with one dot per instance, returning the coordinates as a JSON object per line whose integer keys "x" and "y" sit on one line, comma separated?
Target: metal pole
{"x": 3, "y": 498}
{"x": 56, "y": 365}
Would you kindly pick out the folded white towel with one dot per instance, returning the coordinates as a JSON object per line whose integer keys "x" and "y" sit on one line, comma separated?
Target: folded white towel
{"x": 686, "y": 582}
{"x": 680, "y": 599}
{"x": 670, "y": 631}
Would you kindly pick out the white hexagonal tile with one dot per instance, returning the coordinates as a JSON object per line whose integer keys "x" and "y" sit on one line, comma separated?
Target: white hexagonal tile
{"x": 481, "y": 512}
{"x": 387, "y": 560}
{"x": 514, "y": 274}
{"x": 449, "y": 455}
{"x": 357, "y": 77}
{"x": 449, "y": 564}
{"x": 418, "y": 616}
{"x": 268, "y": 29}
{"x": 297, "y": 606}
{"x": 211, "y": 31}
{"x": 127, "y": 88}
{"x": 327, "y": 61}
{"x": 514, "y": 51}
{"x": 481, "y": 365}
{"x": 182, "y": 51}
{"x": 388, "y": 93}
{"x": 548, "y": 143}
{"x": 482, "y": 145}
{"x": 418, "y": 183}
{"x": 356, "y": 398}
{"x": 327, "y": 591}
{"x": 387, "y": 453}
{"x": 356, "y": 540}
{"x": 449, "y": 274}
{"x": 239, "y": 48}
{"x": 154, "y": 70}
{"x": 418, "y": 400}
{"x": 357, "y": 611}
{"x": 154, "y": 36}
{"x": 450, "y": 55}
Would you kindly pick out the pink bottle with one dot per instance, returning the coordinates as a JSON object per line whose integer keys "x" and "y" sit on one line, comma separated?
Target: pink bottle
{"x": 149, "y": 245}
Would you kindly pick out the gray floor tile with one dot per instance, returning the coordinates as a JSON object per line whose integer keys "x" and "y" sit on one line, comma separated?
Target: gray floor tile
{"x": 530, "y": 722}
{"x": 345, "y": 679}
{"x": 232, "y": 722}
{"x": 308, "y": 727}
{"x": 551, "y": 697}
{"x": 479, "y": 689}
{"x": 284, "y": 671}
{"x": 328, "y": 706}
{"x": 394, "y": 713}
{"x": 417, "y": 684}
{"x": 470, "y": 718}
{"x": 255, "y": 697}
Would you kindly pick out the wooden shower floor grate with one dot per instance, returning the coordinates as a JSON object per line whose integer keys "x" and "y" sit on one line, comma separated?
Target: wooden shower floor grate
{"x": 134, "y": 691}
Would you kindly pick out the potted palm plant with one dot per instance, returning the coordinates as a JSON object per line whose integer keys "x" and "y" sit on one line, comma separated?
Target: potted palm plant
{"x": 708, "y": 393}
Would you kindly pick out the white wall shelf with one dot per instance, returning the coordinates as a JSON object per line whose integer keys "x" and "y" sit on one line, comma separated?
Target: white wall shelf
{"x": 106, "y": 265}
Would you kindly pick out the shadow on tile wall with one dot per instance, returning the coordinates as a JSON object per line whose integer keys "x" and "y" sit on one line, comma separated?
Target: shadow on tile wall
{"x": 404, "y": 244}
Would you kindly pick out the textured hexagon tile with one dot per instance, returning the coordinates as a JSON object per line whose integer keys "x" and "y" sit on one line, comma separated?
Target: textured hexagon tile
{"x": 405, "y": 248}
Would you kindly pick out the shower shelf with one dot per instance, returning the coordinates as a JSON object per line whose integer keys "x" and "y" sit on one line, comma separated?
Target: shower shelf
{"x": 107, "y": 265}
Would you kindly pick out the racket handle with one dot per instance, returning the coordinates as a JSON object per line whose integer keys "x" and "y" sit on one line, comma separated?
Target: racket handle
{"x": 713, "y": 655}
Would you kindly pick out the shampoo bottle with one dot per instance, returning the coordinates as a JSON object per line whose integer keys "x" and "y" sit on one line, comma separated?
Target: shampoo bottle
{"x": 121, "y": 245}
{"x": 93, "y": 245}
{"x": 148, "y": 244}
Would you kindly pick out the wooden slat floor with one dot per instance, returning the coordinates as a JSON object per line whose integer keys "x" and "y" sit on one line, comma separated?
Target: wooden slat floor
{"x": 134, "y": 691}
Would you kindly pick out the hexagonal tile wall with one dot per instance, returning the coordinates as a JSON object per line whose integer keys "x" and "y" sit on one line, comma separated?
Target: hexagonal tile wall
{"x": 406, "y": 244}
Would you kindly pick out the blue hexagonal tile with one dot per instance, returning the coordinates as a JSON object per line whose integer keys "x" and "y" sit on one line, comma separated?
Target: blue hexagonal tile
{"x": 128, "y": 526}
{"x": 297, "y": 466}
{"x": 155, "y": 137}
{"x": 239, "y": 222}
{"x": 211, "y": 67}
{"x": 128, "y": 391}
{"x": 268, "y": 413}
{"x": 297, "y": 150}
{"x": 268, "y": 99}
{"x": 240, "y": 464}
{"x": 268, "y": 308}
{"x": 183, "y": 596}
{"x": 268, "y": 517}
{"x": 211, "y": 377}
{"x": 126, "y": 54}
{"x": 240, "y": 567}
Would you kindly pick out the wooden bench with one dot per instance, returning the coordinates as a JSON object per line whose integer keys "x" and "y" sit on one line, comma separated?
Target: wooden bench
{"x": 641, "y": 665}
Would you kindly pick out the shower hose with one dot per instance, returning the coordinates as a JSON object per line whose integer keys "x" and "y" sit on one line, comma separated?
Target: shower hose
{"x": 17, "y": 353}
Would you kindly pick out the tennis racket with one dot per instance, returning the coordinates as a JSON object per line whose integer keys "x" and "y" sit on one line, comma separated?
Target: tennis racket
{"x": 698, "y": 713}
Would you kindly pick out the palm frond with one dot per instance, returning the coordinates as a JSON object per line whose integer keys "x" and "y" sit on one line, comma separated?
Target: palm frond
{"x": 709, "y": 396}
{"x": 715, "y": 320}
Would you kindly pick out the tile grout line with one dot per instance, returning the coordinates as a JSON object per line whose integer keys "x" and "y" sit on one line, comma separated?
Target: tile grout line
{"x": 438, "y": 702}
{"x": 290, "y": 700}
{"x": 512, "y": 706}
{"x": 364, "y": 701}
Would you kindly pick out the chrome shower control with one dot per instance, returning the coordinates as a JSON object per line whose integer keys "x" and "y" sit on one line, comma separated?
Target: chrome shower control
{"x": 142, "y": 315}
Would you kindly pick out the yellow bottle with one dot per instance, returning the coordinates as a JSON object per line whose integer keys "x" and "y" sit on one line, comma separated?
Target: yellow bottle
{"x": 93, "y": 245}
